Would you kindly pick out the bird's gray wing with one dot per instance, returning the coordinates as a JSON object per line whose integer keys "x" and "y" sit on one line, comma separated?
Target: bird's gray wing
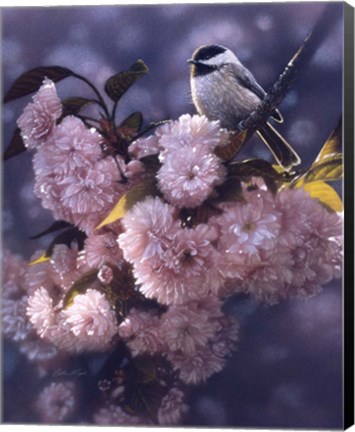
{"x": 247, "y": 79}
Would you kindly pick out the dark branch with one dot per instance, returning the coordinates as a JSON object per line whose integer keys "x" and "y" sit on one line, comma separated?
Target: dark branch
{"x": 302, "y": 57}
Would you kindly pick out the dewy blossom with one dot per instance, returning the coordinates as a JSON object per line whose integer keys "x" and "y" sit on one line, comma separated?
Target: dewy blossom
{"x": 247, "y": 227}
{"x": 102, "y": 249}
{"x": 41, "y": 312}
{"x": 76, "y": 185}
{"x": 190, "y": 169}
{"x": 39, "y": 117}
{"x": 297, "y": 248}
{"x": 188, "y": 176}
{"x": 56, "y": 275}
{"x": 71, "y": 146}
{"x": 191, "y": 130}
{"x": 15, "y": 323}
{"x": 149, "y": 227}
{"x": 74, "y": 181}
{"x": 272, "y": 246}
{"x": 141, "y": 331}
{"x": 91, "y": 317}
{"x": 198, "y": 338}
{"x": 186, "y": 328}
{"x": 64, "y": 262}
{"x": 197, "y": 367}
{"x": 182, "y": 267}
{"x": 144, "y": 147}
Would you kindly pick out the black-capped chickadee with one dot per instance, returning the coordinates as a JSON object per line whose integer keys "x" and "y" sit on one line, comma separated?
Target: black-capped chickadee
{"x": 225, "y": 90}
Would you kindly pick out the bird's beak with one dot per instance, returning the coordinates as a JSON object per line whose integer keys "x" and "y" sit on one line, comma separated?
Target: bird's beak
{"x": 191, "y": 61}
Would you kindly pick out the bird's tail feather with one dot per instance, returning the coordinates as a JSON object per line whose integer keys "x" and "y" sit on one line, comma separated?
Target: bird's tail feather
{"x": 279, "y": 147}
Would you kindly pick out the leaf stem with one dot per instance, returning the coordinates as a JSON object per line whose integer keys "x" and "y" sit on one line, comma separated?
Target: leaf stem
{"x": 123, "y": 177}
{"x": 149, "y": 128}
{"x": 89, "y": 83}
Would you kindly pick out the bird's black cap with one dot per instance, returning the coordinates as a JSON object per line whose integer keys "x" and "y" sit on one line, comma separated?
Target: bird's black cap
{"x": 207, "y": 51}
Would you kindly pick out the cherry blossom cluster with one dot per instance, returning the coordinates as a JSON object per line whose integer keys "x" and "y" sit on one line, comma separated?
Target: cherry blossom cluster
{"x": 175, "y": 269}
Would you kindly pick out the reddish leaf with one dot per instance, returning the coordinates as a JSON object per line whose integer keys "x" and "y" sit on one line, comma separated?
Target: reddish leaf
{"x": 16, "y": 145}
{"x": 72, "y": 106}
{"x": 32, "y": 80}
{"x": 118, "y": 84}
{"x": 56, "y": 226}
{"x": 131, "y": 125}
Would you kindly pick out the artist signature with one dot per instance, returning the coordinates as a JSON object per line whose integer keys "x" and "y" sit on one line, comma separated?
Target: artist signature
{"x": 70, "y": 373}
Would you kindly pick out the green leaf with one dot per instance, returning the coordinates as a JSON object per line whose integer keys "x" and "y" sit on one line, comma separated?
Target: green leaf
{"x": 333, "y": 145}
{"x": 329, "y": 168}
{"x": 73, "y": 105}
{"x": 32, "y": 80}
{"x": 326, "y": 195}
{"x": 128, "y": 200}
{"x": 243, "y": 171}
{"x": 118, "y": 84}
{"x": 144, "y": 399}
{"x": 16, "y": 145}
{"x": 80, "y": 286}
{"x": 143, "y": 389}
{"x": 56, "y": 226}
{"x": 145, "y": 369}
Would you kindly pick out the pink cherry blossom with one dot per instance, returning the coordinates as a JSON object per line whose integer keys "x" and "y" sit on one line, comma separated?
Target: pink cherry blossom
{"x": 40, "y": 311}
{"x": 191, "y": 131}
{"x": 186, "y": 329}
{"x": 188, "y": 175}
{"x": 105, "y": 274}
{"x": 71, "y": 145}
{"x": 184, "y": 269}
{"x": 91, "y": 318}
{"x": 305, "y": 255}
{"x": 15, "y": 326}
{"x": 56, "y": 275}
{"x": 148, "y": 227}
{"x": 303, "y": 216}
{"x": 224, "y": 342}
{"x": 144, "y": 147}
{"x": 172, "y": 407}
{"x": 64, "y": 261}
{"x": 56, "y": 402}
{"x": 197, "y": 367}
{"x": 89, "y": 190}
{"x": 13, "y": 271}
{"x": 38, "y": 350}
{"x": 13, "y": 266}
{"x": 250, "y": 226}
{"x": 101, "y": 249}
{"x": 141, "y": 331}
{"x": 39, "y": 117}
{"x": 113, "y": 415}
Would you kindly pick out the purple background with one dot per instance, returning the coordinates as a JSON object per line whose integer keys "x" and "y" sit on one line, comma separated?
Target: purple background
{"x": 287, "y": 370}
